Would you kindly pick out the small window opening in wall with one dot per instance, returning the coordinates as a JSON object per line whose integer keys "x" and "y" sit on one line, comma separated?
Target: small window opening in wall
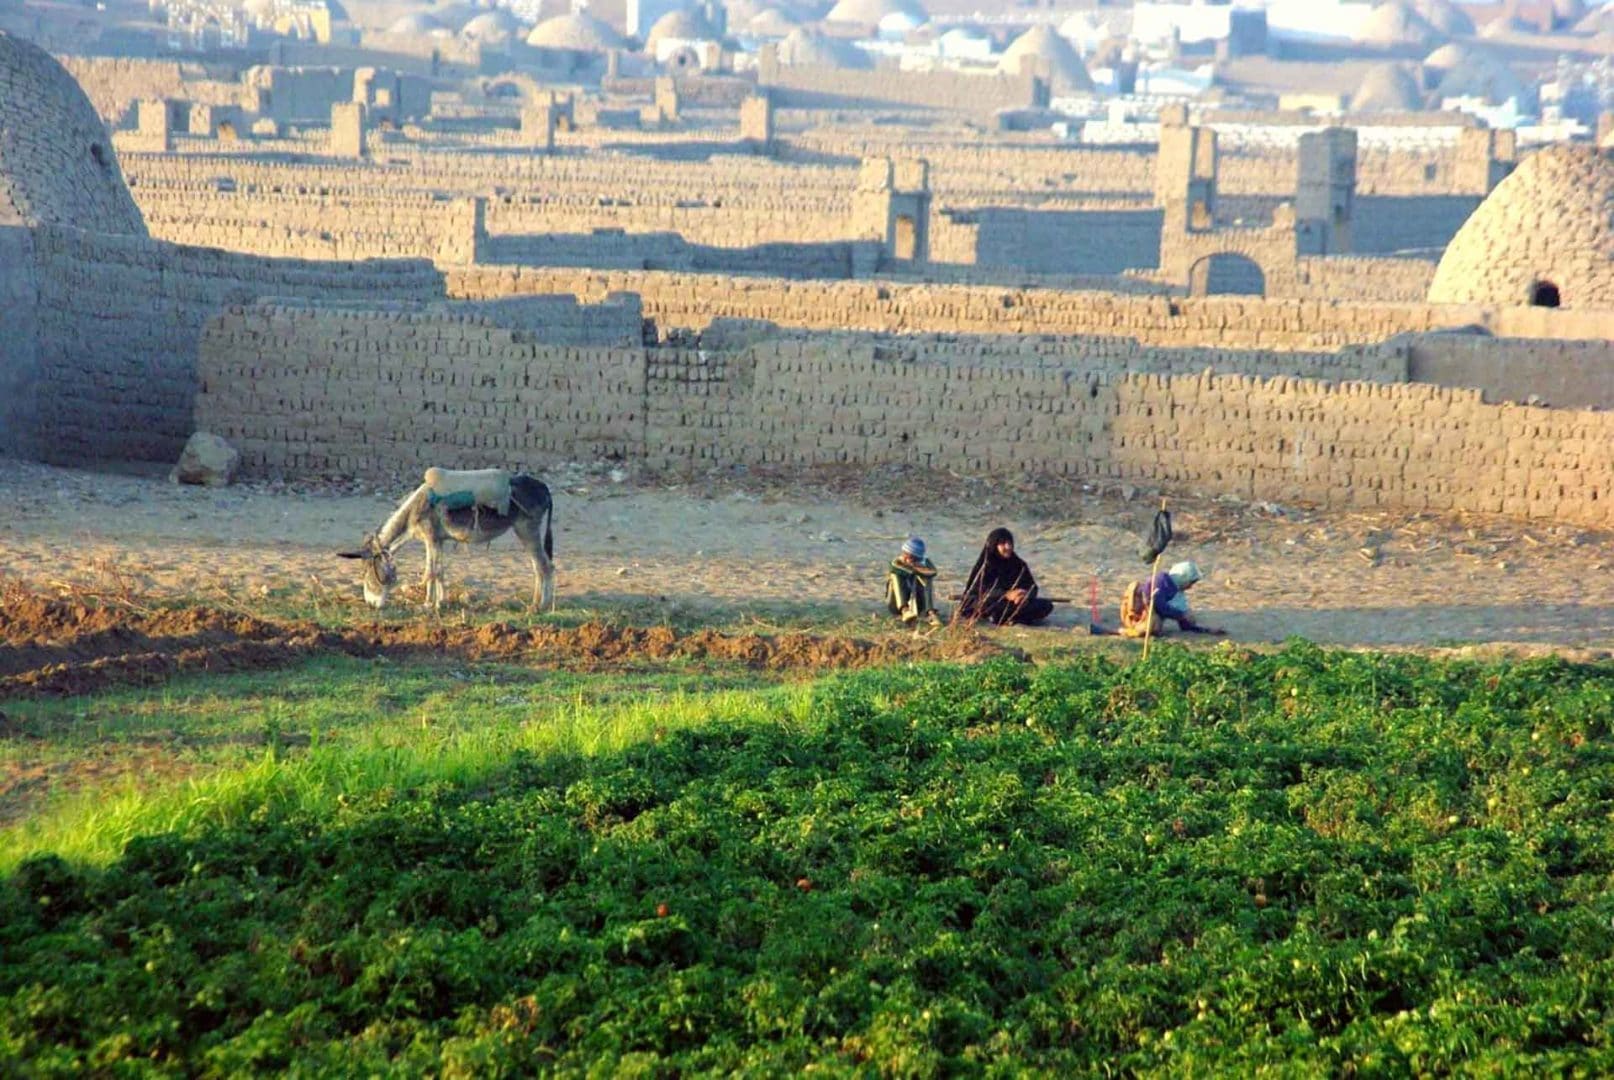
{"x": 98, "y": 155}
{"x": 1431, "y": 171}
{"x": 1544, "y": 294}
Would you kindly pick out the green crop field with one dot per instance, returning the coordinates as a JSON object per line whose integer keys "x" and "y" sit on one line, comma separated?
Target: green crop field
{"x": 1215, "y": 863}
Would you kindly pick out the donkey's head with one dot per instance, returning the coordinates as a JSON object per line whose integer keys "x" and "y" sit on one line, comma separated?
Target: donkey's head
{"x": 380, "y": 575}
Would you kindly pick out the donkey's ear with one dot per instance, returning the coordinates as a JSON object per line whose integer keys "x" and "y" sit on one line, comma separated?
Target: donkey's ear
{"x": 350, "y": 554}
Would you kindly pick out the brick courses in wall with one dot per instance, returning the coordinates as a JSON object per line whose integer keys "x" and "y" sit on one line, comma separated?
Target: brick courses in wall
{"x": 121, "y": 384}
{"x": 57, "y": 163}
{"x": 696, "y": 301}
{"x": 366, "y": 392}
{"x": 361, "y": 392}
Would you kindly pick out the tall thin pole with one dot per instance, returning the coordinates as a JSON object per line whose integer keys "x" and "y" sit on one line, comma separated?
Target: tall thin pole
{"x": 1148, "y": 626}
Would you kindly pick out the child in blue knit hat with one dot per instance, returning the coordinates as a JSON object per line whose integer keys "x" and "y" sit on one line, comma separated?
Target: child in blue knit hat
{"x": 908, "y": 584}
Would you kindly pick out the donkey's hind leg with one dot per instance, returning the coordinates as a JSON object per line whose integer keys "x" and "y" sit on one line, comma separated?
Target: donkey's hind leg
{"x": 543, "y": 568}
{"x": 543, "y": 585}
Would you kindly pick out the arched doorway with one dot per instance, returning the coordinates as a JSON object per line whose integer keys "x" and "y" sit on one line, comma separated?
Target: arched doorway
{"x": 1226, "y": 274}
{"x": 1544, "y": 294}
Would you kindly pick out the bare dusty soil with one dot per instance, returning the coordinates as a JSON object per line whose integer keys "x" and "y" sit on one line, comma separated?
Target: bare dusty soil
{"x": 120, "y": 578}
{"x": 787, "y": 550}
{"x": 67, "y": 646}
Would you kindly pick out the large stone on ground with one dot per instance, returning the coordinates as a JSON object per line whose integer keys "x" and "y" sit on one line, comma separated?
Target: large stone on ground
{"x": 207, "y": 459}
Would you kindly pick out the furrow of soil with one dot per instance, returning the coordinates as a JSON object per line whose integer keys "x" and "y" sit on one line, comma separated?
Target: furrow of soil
{"x": 65, "y": 647}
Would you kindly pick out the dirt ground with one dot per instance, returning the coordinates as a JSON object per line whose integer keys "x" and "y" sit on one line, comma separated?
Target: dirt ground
{"x": 802, "y": 548}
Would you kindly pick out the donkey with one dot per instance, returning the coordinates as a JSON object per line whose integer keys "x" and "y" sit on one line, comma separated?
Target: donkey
{"x": 429, "y": 519}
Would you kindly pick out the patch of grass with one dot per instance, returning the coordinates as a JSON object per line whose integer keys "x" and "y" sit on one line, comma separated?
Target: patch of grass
{"x": 159, "y": 758}
{"x": 1220, "y": 862}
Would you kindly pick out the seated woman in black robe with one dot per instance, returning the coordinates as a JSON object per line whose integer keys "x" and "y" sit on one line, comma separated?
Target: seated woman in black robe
{"x": 1001, "y": 589}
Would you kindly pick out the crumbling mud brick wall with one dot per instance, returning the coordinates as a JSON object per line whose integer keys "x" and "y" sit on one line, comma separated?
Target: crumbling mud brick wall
{"x": 312, "y": 390}
{"x": 118, "y": 320}
{"x": 315, "y": 390}
{"x": 1114, "y": 356}
{"x": 1409, "y": 447}
{"x": 115, "y": 83}
{"x": 1379, "y": 445}
{"x": 695, "y": 301}
{"x": 300, "y": 224}
{"x": 397, "y": 211}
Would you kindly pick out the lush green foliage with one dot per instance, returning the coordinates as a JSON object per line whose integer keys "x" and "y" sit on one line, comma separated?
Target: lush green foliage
{"x": 208, "y": 749}
{"x": 1212, "y": 863}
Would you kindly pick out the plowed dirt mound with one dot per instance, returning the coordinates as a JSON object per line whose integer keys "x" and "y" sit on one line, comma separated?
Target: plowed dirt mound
{"x": 64, "y": 647}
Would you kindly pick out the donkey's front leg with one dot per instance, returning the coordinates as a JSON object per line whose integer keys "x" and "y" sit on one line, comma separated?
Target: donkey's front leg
{"x": 434, "y": 576}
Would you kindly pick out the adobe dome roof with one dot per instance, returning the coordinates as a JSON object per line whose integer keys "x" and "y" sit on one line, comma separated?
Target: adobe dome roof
{"x": 1481, "y": 75}
{"x": 1505, "y": 25}
{"x": 871, "y": 12}
{"x": 575, "y": 33}
{"x": 1551, "y": 221}
{"x": 57, "y": 166}
{"x": 1395, "y": 24}
{"x": 804, "y": 48}
{"x": 1388, "y": 88}
{"x": 417, "y": 22}
{"x": 1447, "y": 57}
{"x": 1444, "y": 16}
{"x": 967, "y": 32}
{"x": 496, "y": 27}
{"x": 1053, "y": 56}
{"x": 683, "y": 25}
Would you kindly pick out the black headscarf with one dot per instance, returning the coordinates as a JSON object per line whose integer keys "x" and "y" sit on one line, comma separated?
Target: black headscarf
{"x": 994, "y": 573}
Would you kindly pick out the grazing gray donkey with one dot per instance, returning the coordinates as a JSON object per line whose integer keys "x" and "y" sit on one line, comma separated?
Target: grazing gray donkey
{"x": 472, "y": 507}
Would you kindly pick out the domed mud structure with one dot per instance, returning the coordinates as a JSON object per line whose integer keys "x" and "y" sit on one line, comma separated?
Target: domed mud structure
{"x": 57, "y": 166}
{"x": 1545, "y": 236}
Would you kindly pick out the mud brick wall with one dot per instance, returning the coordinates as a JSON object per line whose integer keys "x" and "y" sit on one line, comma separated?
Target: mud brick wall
{"x": 1077, "y": 241}
{"x": 694, "y": 301}
{"x": 362, "y": 392}
{"x": 19, "y": 342}
{"x": 803, "y": 87}
{"x": 699, "y": 409}
{"x": 298, "y": 225}
{"x": 615, "y": 249}
{"x": 1336, "y": 277}
{"x": 1383, "y": 224}
{"x": 742, "y": 220}
{"x": 1408, "y": 447}
{"x": 1120, "y": 356}
{"x": 368, "y": 392}
{"x": 1378, "y": 445}
{"x": 1565, "y": 374}
{"x": 115, "y": 83}
{"x": 118, "y": 320}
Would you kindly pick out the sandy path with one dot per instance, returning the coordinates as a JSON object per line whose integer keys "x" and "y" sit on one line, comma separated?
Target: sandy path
{"x": 654, "y": 549}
